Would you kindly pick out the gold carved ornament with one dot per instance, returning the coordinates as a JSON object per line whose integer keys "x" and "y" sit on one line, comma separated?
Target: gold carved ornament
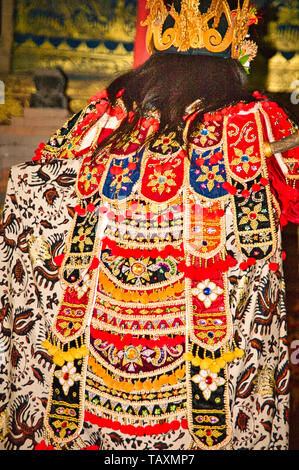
{"x": 191, "y": 28}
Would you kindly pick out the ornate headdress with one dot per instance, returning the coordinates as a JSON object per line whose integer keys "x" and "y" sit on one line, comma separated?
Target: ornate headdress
{"x": 210, "y": 27}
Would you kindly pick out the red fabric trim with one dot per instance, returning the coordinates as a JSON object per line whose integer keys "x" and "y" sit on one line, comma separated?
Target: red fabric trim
{"x": 136, "y": 430}
{"x": 199, "y": 274}
{"x": 38, "y": 152}
{"x": 287, "y": 196}
{"x": 130, "y": 340}
{"x": 43, "y": 446}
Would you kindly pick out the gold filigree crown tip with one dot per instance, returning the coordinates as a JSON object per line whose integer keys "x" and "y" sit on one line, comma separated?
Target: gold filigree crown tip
{"x": 193, "y": 26}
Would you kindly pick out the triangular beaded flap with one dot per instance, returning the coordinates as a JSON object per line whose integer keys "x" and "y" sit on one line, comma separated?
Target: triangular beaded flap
{"x": 204, "y": 226}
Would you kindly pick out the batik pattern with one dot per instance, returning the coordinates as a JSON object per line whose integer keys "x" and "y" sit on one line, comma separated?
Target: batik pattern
{"x": 37, "y": 216}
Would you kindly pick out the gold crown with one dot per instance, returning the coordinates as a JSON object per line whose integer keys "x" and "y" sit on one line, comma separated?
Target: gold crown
{"x": 188, "y": 28}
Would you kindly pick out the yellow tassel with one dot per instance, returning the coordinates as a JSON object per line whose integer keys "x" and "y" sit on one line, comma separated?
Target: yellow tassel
{"x": 214, "y": 365}
{"x": 188, "y": 356}
{"x": 220, "y": 362}
{"x": 197, "y": 362}
{"x": 206, "y": 363}
{"x": 239, "y": 353}
{"x": 60, "y": 356}
{"x": 68, "y": 356}
{"x": 228, "y": 356}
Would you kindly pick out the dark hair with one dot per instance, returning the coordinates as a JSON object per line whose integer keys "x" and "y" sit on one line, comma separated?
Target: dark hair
{"x": 171, "y": 82}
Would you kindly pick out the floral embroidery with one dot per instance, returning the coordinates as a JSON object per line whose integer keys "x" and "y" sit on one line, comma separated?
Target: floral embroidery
{"x": 120, "y": 178}
{"x": 211, "y": 175}
{"x": 83, "y": 238}
{"x": 138, "y": 269}
{"x": 204, "y": 133}
{"x": 133, "y": 355}
{"x": 133, "y": 139}
{"x": 161, "y": 181}
{"x": 207, "y": 382}
{"x": 67, "y": 376}
{"x": 166, "y": 142}
{"x": 207, "y": 292}
{"x": 244, "y": 160}
{"x": 253, "y": 216}
{"x": 89, "y": 177}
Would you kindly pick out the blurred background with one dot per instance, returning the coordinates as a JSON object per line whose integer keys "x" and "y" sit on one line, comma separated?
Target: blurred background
{"x": 56, "y": 54}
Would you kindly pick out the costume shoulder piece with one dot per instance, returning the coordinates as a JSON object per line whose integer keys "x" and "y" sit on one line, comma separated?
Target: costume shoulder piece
{"x": 284, "y": 167}
{"x": 66, "y": 142}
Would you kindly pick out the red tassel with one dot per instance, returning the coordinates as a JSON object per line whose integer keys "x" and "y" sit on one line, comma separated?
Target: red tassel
{"x": 243, "y": 266}
{"x": 273, "y": 267}
{"x": 216, "y": 157}
{"x": 43, "y": 446}
{"x": 116, "y": 170}
{"x": 256, "y": 187}
{"x": 229, "y": 188}
{"x": 199, "y": 274}
{"x": 80, "y": 210}
{"x": 38, "y": 152}
{"x": 264, "y": 181}
{"x": 90, "y": 207}
{"x": 131, "y": 166}
{"x": 130, "y": 340}
{"x": 58, "y": 260}
{"x": 257, "y": 95}
{"x": 199, "y": 161}
{"x": 94, "y": 264}
{"x": 245, "y": 193}
{"x": 136, "y": 430}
